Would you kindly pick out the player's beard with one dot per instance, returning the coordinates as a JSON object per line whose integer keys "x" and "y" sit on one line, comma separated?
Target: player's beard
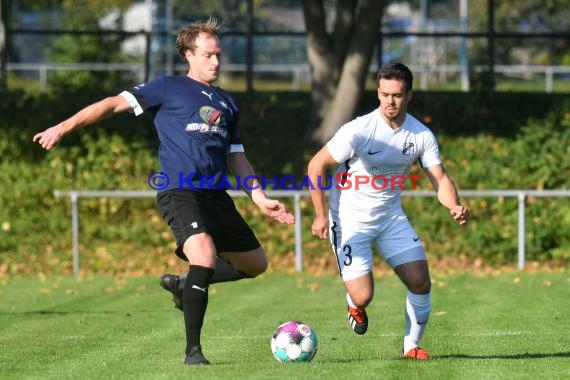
{"x": 392, "y": 113}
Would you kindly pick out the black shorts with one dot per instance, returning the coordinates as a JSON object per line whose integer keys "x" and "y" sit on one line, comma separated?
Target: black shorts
{"x": 190, "y": 212}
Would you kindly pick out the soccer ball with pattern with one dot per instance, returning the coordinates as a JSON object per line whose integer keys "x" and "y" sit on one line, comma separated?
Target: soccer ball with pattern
{"x": 294, "y": 341}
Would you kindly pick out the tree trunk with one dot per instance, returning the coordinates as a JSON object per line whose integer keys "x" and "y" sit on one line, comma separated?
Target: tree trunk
{"x": 3, "y": 44}
{"x": 354, "y": 71}
{"x": 339, "y": 68}
{"x": 324, "y": 67}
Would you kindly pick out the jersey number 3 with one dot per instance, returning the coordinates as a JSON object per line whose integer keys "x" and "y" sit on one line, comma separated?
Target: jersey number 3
{"x": 348, "y": 254}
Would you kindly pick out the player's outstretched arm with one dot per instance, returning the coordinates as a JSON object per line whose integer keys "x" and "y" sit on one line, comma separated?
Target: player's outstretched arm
{"x": 316, "y": 171}
{"x": 240, "y": 166}
{"x": 447, "y": 193}
{"x": 88, "y": 115}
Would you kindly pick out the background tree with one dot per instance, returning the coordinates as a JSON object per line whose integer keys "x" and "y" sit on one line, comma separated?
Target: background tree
{"x": 538, "y": 16}
{"x": 530, "y": 16}
{"x": 232, "y": 13}
{"x": 3, "y": 55}
{"x": 339, "y": 59}
{"x": 85, "y": 15}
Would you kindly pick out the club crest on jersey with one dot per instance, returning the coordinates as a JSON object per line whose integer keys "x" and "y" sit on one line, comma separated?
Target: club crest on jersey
{"x": 210, "y": 115}
{"x": 408, "y": 149}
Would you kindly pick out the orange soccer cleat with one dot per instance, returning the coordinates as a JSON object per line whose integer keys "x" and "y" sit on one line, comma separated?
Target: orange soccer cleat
{"x": 358, "y": 320}
{"x": 416, "y": 353}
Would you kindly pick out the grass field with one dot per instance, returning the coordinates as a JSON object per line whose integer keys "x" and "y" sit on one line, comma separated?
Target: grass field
{"x": 493, "y": 326}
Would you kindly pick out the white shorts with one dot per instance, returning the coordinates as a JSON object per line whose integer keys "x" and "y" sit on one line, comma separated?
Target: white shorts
{"x": 393, "y": 236}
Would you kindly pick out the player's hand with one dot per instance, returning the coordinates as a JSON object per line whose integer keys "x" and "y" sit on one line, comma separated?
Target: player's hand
{"x": 320, "y": 227}
{"x": 276, "y": 210}
{"x": 49, "y": 138}
{"x": 460, "y": 213}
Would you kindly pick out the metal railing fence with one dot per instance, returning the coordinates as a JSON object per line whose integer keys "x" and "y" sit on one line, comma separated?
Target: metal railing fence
{"x": 521, "y": 195}
{"x": 299, "y": 72}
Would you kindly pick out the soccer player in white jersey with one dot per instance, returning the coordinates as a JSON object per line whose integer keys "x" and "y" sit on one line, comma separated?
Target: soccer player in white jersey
{"x": 373, "y": 153}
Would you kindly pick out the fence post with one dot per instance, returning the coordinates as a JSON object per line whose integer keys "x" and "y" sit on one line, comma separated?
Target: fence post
{"x": 75, "y": 230}
{"x": 521, "y": 238}
{"x": 3, "y": 42}
{"x": 549, "y": 80}
{"x": 298, "y": 234}
{"x": 43, "y": 77}
{"x": 148, "y": 56}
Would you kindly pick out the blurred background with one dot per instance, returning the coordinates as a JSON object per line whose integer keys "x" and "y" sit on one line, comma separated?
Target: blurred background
{"x": 448, "y": 43}
{"x": 491, "y": 79}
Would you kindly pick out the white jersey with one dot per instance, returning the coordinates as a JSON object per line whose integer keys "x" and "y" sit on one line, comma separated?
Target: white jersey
{"x": 368, "y": 148}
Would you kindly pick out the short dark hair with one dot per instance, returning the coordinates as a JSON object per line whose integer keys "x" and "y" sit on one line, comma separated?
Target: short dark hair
{"x": 396, "y": 70}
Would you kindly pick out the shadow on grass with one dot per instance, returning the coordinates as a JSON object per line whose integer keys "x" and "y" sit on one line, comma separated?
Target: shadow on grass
{"x": 71, "y": 312}
{"x": 526, "y": 355}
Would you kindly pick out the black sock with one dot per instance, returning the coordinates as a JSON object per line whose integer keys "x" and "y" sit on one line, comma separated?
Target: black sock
{"x": 195, "y": 302}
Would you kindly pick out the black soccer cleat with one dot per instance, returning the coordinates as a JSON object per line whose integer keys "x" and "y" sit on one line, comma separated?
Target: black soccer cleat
{"x": 196, "y": 357}
{"x": 358, "y": 320}
{"x": 172, "y": 283}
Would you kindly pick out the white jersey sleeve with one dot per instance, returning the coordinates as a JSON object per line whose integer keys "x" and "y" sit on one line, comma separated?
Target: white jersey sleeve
{"x": 430, "y": 155}
{"x": 341, "y": 145}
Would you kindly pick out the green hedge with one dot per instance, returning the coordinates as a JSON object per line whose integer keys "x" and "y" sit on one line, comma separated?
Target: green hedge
{"x": 507, "y": 141}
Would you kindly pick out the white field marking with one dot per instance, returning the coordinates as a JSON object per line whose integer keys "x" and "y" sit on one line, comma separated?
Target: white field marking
{"x": 73, "y": 337}
{"x": 489, "y": 333}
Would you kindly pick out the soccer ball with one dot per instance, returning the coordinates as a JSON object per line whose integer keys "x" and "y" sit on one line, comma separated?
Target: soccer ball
{"x": 294, "y": 341}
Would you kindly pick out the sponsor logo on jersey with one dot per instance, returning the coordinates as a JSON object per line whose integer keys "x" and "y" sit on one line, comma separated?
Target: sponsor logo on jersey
{"x": 201, "y": 127}
{"x": 208, "y": 95}
{"x": 210, "y": 115}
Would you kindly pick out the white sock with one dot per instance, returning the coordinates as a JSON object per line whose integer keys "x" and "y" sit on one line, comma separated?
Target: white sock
{"x": 349, "y": 301}
{"x": 418, "y": 308}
